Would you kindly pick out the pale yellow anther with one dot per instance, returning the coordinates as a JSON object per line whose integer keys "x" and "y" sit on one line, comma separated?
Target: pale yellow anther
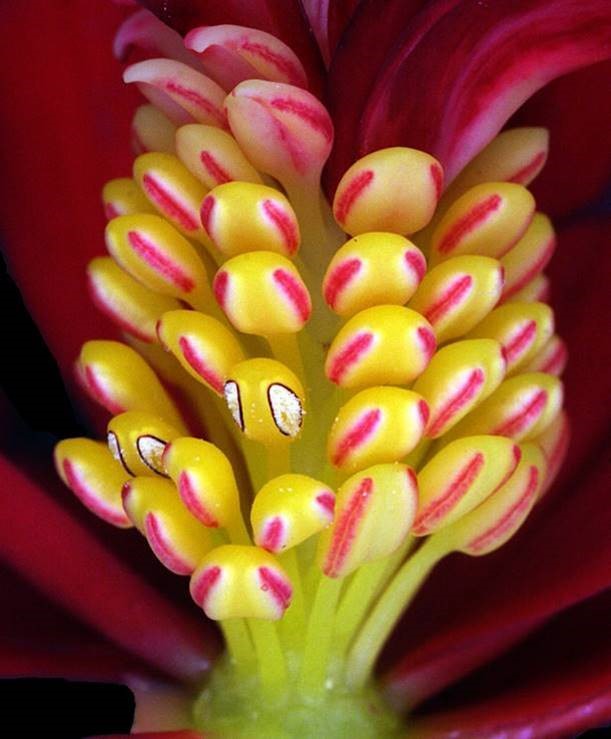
{"x": 521, "y": 328}
{"x": 89, "y": 470}
{"x": 375, "y": 268}
{"x": 158, "y": 256}
{"x": 488, "y": 219}
{"x": 537, "y": 290}
{"x": 177, "y": 538}
{"x": 457, "y": 294}
{"x": 213, "y": 156}
{"x": 266, "y": 400}
{"x": 459, "y": 377}
{"x": 394, "y": 189}
{"x": 132, "y": 306}
{"x": 122, "y": 197}
{"x": 137, "y": 440}
{"x": 242, "y": 217}
{"x": 459, "y": 477}
{"x": 529, "y": 256}
{"x": 119, "y": 379}
{"x": 554, "y": 443}
{"x": 262, "y": 293}
{"x": 288, "y": 510}
{"x": 152, "y": 130}
{"x": 204, "y": 347}
{"x": 551, "y": 358}
{"x": 241, "y": 582}
{"x": 374, "y": 511}
{"x": 380, "y": 424}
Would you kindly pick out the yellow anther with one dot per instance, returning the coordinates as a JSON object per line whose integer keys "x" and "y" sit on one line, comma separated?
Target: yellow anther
{"x": 554, "y": 443}
{"x": 380, "y": 424}
{"x": 521, "y": 408}
{"x": 373, "y": 269}
{"x": 122, "y": 197}
{"x": 137, "y": 440}
{"x": 538, "y": 289}
{"x": 262, "y": 293}
{"x": 497, "y": 519}
{"x": 204, "y": 347}
{"x": 156, "y": 254}
{"x": 459, "y": 377}
{"x": 455, "y": 295}
{"x": 131, "y": 305}
{"x": 266, "y": 400}
{"x": 152, "y": 131}
{"x": 459, "y": 477}
{"x": 119, "y": 379}
{"x": 488, "y": 219}
{"x": 394, "y": 189}
{"x": 374, "y": 511}
{"x": 384, "y": 345}
{"x": 89, "y": 470}
{"x": 289, "y": 509}
{"x": 529, "y": 256}
{"x": 551, "y": 358}
{"x": 213, "y": 156}
{"x": 243, "y": 217}
{"x": 178, "y": 540}
{"x": 521, "y": 328}
{"x": 241, "y": 582}
{"x": 173, "y": 191}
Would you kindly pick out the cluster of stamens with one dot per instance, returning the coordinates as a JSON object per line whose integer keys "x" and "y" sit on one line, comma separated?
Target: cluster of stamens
{"x": 371, "y": 404}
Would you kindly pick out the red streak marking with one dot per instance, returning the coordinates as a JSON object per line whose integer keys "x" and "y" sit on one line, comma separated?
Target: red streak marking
{"x": 192, "y": 501}
{"x": 428, "y": 341}
{"x": 89, "y": 498}
{"x": 170, "y": 207}
{"x": 110, "y": 211}
{"x": 458, "y": 291}
{"x": 194, "y": 97}
{"x": 100, "y": 394}
{"x": 163, "y": 548}
{"x": 478, "y": 214}
{"x": 412, "y": 478}
{"x": 524, "y": 418}
{"x": 529, "y": 170}
{"x": 521, "y": 342}
{"x": 273, "y": 535}
{"x": 351, "y": 193}
{"x": 339, "y": 279}
{"x": 509, "y": 518}
{"x": 315, "y": 118}
{"x": 538, "y": 266}
{"x": 346, "y": 528}
{"x": 437, "y": 177}
{"x": 205, "y": 214}
{"x": 100, "y": 301}
{"x": 458, "y": 401}
{"x": 556, "y": 361}
{"x": 416, "y": 263}
{"x": 283, "y": 65}
{"x": 424, "y": 411}
{"x": 284, "y": 223}
{"x": 219, "y": 286}
{"x": 196, "y": 362}
{"x": 362, "y": 430}
{"x": 326, "y": 501}
{"x": 294, "y": 292}
{"x": 348, "y": 356}
{"x": 205, "y": 582}
{"x": 451, "y": 496}
{"x": 276, "y": 586}
{"x": 214, "y": 169}
{"x": 160, "y": 262}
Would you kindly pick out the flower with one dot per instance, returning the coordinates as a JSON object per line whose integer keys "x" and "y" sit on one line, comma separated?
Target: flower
{"x": 475, "y": 627}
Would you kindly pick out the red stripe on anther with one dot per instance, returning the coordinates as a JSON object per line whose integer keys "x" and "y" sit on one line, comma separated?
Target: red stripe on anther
{"x": 89, "y": 498}
{"x": 287, "y": 227}
{"x": 214, "y": 169}
{"x": 194, "y": 97}
{"x": 448, "y": 498}
{"x": 314, "y": 117}
{"x": 556, "y": 361}
{"x": 457, "y": 401}
{"x": 346, "y": 528}
{"x": 424, "y": 411}
{"x": 520, "y": 342}
{"x": 100, "y": 394}
{"x": 295, "y": 293}
{"x": 326, "y": 501}
{"x": 168, "y": 204}
{"x": 192, "y": 502}
{"x": 529, "y": 170}
{"x": 160, "y": 262}
{"x": 427, "y": 340}
{"x": 351, "y": 193}
{"x": 478, "y": 214}
{"x": 285, "y": 66}
{"x": 162, "y": 548}
{"x": 276, "y": 586}
{"x": 357, "y": 435}
{"x": 538, "y": 266}
{"x": 205, "y": 582}
{"x": 339, "y": 279}
{"x": 453, "y": 296}
{"x": 437, "y": 177}
{"x": 273, "y": 535}
{"x": 349, "y": 355}
{"x": 219, "y": 286}
{"x": 416, "y": 262}
{"x": 205, "y": 214}
{"x": 110, "y": 211}
{"x": 196, "y": 362}
{"x": 527, "y": 416}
